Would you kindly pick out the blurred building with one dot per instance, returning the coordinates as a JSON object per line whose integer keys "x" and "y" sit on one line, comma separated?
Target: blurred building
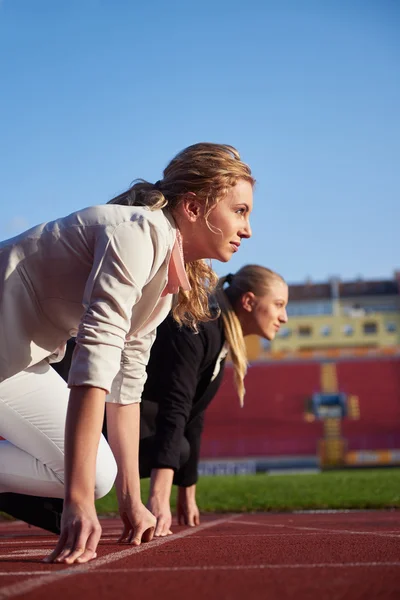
{"x": 342, "y": 339}
{"x": 338, "y": 318}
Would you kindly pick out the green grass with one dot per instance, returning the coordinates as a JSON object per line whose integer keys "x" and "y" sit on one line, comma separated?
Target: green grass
{"x": 370, "y": 488}
{"x": 364, "y": 488}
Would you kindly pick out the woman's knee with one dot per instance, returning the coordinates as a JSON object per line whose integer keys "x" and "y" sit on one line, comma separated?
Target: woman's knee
{"x": 106, "y": 470}
{"x": 104, "y": 482}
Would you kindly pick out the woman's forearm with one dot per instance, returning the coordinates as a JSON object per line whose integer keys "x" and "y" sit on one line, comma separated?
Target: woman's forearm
{"x": 82, "y": 434}
{"x": 161, "y": 483}
{"x": 123, "y": 421}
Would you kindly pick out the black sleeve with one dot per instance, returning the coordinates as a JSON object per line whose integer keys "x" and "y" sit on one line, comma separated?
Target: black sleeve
{"x": 187, "y": 475}
{"x": 173, "y": 373}
{"x": 64, "y": 365}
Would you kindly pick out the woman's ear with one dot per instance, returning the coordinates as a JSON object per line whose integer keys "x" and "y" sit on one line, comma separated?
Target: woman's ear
{"x": 191, "y": 207}
{"x": 248, "y": 301}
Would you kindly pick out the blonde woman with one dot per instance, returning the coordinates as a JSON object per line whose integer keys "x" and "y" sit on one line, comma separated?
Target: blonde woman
{"x": 184, "y": 373}
{"x": 106, "y": 274}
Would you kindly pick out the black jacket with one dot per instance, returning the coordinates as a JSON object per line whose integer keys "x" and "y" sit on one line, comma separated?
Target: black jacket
{"x": 182, "y": 381}
{"x": 180, "y": 385}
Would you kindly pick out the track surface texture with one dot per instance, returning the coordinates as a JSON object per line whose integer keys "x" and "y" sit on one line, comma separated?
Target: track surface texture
{"x": 316, "y": 556}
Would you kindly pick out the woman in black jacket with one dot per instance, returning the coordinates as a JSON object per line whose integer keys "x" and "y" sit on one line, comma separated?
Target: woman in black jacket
{"x": 183, "y": 375}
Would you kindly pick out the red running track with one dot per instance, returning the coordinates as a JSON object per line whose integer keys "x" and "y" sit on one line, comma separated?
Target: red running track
{"x": 323, "y": 556}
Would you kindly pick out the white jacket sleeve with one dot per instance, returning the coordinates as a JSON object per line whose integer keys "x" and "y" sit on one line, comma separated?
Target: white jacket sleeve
{"x": 127, "y": 386}
{"x": 123, "y": 260}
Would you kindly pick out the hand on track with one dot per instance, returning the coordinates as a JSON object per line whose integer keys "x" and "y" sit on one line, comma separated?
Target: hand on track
{"x": 186, "y": 507}
{"x": 139, "y": 524}
{"x": 162, "y": 512}
{"x": 80, "y": 534}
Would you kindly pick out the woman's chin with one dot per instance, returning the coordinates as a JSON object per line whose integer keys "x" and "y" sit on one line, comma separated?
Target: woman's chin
{"x": 223, "y": 257}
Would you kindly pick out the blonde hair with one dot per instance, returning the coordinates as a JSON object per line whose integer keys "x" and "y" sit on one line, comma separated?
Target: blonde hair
{"x": 208, "y": 171}
{"x": 250, "y": 278}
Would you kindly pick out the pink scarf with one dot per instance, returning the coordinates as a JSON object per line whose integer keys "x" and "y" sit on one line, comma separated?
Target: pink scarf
{"x": 177, "y": 277}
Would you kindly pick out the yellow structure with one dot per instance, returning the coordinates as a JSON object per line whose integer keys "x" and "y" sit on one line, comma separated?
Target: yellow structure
{"x": 320, "y": 332}
{"x": 332, "y": 449}
{"x": 337, "y": 318}
{"x": 372, "y": 458}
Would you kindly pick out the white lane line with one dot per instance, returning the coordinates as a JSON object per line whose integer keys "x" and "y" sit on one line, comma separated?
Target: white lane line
{"x": 307, "y": 531}
{"x": 25, "y": 553}
{"x": 242, "y": 522}
{"x": 328, "y": 511}
{"x": 44, "y": 551}
{"x": 222, "y": 536}
{"x": 345, "y": 531}
{"x": 210, "y": 568}
{"x": 22, "y": 573}
{"x": 44, "y": 542}
{"x": 50, "y": 543}
{"x": 244, "y": 567}
{"x": 320, "y": 529}
{"x": 25, "y": 587}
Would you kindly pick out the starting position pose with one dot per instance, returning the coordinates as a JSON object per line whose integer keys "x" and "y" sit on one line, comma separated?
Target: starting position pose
{"x": 184, "y": 374}
{"x": 105, "y": 274}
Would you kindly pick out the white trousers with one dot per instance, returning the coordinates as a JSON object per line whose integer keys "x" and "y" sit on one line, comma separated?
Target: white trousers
{"x": 33, "y": 408}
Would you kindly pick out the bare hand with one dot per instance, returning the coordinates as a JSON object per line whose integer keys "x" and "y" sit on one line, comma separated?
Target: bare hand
{"x": 139, "y": 523}
{"x": 162, "y": 511}
{"x": 80, "y": 534}
{"x": 186, "y": 507}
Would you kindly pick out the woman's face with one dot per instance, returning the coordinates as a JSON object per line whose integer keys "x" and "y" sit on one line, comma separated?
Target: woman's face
{"x": 268, "y": 312}
{"x": 227, "y": 224}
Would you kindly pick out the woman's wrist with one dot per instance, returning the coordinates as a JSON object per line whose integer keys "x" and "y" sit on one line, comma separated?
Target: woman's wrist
{"x": 128, "y": 489}
{"x": 161, "y": 484}
{"x": 188, "y": 493}
{"x": 79, "y": 496}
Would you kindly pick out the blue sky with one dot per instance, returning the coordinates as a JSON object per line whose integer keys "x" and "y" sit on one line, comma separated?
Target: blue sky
{"x": 98, "y": 92}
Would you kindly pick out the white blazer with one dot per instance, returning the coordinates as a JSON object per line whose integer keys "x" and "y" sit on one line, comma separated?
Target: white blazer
{"x": 97, "y": 274}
